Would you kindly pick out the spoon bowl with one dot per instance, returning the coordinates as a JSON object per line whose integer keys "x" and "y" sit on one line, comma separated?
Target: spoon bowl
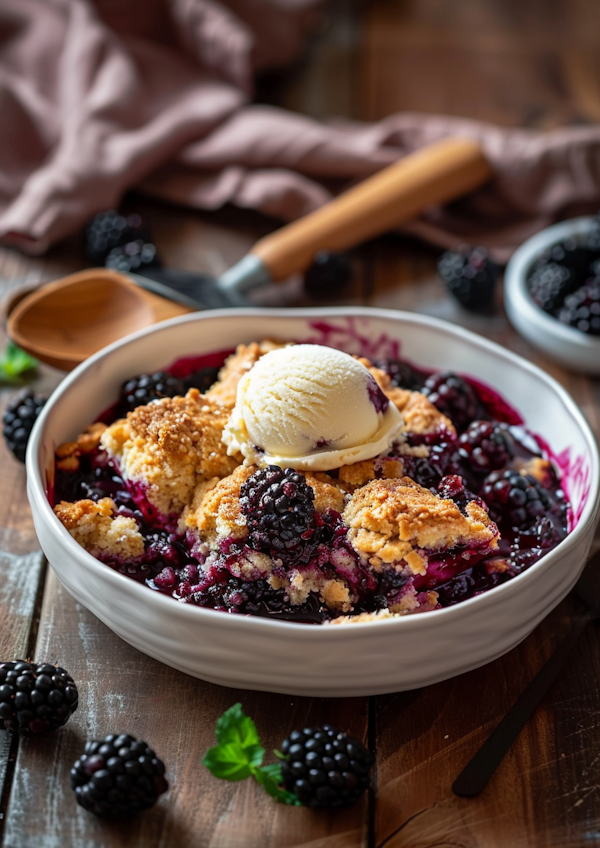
{"x": 64, "y": 322}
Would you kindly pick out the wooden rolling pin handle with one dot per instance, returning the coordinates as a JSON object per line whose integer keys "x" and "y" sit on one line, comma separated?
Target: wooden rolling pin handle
{"x": 433, "y": 175}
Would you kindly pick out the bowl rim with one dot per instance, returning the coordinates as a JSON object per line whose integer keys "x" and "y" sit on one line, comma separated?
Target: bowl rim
{"x": 39, "y": 501}
{"x": 516, "y": 291}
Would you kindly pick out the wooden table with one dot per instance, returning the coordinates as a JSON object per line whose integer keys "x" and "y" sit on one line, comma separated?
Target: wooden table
{"x": 510, "y": 62}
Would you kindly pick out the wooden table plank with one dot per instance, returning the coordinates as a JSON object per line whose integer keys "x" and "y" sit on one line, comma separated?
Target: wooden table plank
{"x": 123, "y": 691}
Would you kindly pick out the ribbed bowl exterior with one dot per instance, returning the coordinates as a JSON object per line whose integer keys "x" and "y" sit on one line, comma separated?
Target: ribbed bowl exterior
{"x": 326, "y": 661}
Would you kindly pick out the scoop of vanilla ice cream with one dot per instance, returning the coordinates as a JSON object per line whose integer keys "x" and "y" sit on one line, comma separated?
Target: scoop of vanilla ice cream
{"x": 310, "y": 407}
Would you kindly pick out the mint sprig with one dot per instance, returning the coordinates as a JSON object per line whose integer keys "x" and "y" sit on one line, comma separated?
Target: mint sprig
{"x": 238, "y": 754}
{"x": 14, "y": 362}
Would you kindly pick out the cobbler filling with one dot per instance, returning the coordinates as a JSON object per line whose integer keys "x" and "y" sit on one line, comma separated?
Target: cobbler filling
{"x": 491, "y": 461}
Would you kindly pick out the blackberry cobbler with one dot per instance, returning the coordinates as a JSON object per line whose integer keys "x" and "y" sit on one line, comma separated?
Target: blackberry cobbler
{"x": 300, "y": 483}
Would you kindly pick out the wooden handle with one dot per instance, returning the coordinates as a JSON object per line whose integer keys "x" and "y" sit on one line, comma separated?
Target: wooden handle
{"x": 433, "y": 175}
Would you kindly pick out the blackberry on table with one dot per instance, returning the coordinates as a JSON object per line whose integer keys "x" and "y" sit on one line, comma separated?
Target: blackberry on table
{"x": 453, "y": 397}
{"x": 581, "y": 309}
{"x": 549, "y": 284}
{"x": 17, "y": 422}
{"x": 279, "y": 507}
{"x": 325, "y": 767}
{"x": 132, "y": 256}
{"x": 486, "y": 446}
{"x": 118, "y": 776}
{"x": 35, "y": 697}
{"x": 329, "y": 273}
{"x": 145, "y": 388}
{"x": 470, "y": 277}
{"x": 516, "y": 498}
{"x": 108, "y": 230}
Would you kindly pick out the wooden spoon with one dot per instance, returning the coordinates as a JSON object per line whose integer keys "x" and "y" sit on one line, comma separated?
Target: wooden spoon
{"x": 64, "y": 322}
{"x": 62, "y": 325}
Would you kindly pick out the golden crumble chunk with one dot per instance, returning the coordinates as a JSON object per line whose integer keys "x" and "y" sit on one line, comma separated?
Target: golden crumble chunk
{"x": 398, "y": 520}
{"x": 98, "y": 529}
{"x": 169, "y": 446}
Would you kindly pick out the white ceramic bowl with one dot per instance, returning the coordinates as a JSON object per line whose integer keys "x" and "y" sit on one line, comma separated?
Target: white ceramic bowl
{"x": 564, "y": 344}
{"x": 360, "y": 659}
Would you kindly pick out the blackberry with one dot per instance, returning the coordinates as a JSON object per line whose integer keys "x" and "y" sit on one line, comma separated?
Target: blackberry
{"x": 325, "y": 767}
{"x": 132, "y": 256}
{"x": 329, "y": 273}
{"x": 35, "y": 697}
{"x": 108, "y": 230}
{"x": 549, "y": 284}
{"x": 118, "y": 776}
{"x": 515, "y": 498}
{"x": 145, "y": 388}
{"x": 581, "y": 309}
{"x": 279, "y": 507}
{"x": 202, "y": 379}
{"x": 453, "y": 487}
{"x": 485, "y": 446}
{"x": 400, "y": 373}
{"x": 454, "y": 397}
{"x": 574, "y": 255}
{"x": 470, "y": 277}
{"x": 18, "y": 420}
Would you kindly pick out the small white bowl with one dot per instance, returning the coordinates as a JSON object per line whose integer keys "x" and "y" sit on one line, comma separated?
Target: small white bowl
{"x": 300, "y": 659}
{"x": 564, "y": 344}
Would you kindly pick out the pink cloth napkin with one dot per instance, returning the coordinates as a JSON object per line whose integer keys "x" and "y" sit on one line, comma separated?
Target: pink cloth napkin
{"x": 97, "y": 98}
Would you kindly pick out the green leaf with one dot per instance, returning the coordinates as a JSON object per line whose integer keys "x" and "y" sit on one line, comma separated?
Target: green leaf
{"x": 234, "y": 726}
{"x": 270, "y": 778}
{"x": 238, "y": 751}
{"x": 229, "y": 762}
{"x": 15, "y": 362}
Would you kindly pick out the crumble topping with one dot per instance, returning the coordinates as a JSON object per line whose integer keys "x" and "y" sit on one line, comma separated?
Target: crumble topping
{"x": 239, "y": 363}
{"x": 398, "y": 520}
{"x": 98, "y": 529}
{"x": 69, "y": 452}
{"x": 171, "y": 445}
{"x": 410, "y": 603}
{"x": 215, "y": 510}
{"x": 359, "y": 473}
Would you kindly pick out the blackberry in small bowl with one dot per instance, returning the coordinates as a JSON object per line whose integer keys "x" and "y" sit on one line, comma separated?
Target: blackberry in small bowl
{"x": 581, "y": 309}
{"x": 325, "y": 767}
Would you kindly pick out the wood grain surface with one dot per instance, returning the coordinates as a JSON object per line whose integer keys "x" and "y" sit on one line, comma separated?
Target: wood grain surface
{"x": 514, "y": 62}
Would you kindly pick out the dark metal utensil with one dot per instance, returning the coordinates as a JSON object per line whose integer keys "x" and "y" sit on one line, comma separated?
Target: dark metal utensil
{"x": 478, "y": 771}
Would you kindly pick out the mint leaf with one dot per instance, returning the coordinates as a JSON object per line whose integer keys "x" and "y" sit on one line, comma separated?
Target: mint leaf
{"x": 14, "y": 362}
{"x": 239, "y": 754}
{"x": 271, "y": 778}
{"x": 234, "y": 726}
{"x": 229, "y": 762}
